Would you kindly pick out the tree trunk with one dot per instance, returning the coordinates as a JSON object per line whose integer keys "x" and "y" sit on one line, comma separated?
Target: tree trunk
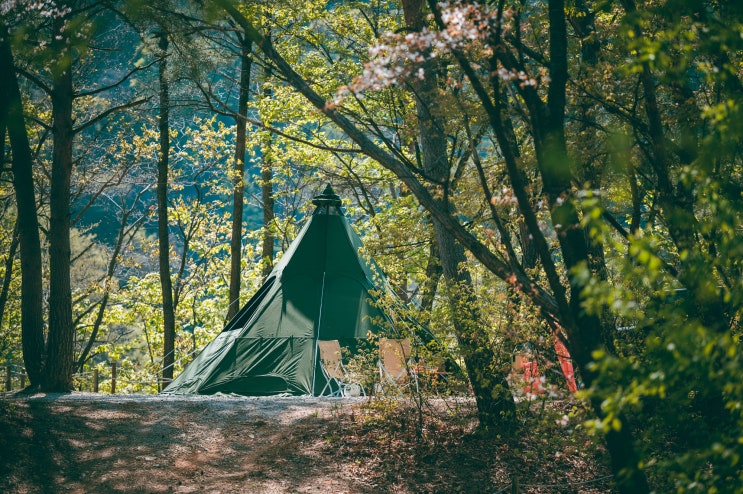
{"x": 8, "y": 274}
{"x": 60, "y": 347}
{"x": 584, "y": 330}
{"x": 433, "y": 275}
{"x": 268, "y": 209}
{"x": 162, "y": 217}
{"x": 32, "y": 312}
{"x": 494, "y": 399}
{"x": 589, "y": 170}
{"x": 238, "y": 194}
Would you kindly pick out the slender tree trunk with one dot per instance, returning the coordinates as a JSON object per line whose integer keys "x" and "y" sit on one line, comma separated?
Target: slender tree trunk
{"x": 267, "y": 196}
{"x": 268, "y": 209}
{"x": 60, "y": 347}
{"x": 162, "y": 216}
{"x": 589, "y": 171}
{"x": 494, "y": 399}
{"x": 32, "y": 312}
{"x": 584, "y": 330}
{"x": 238, "y": 194}
{"x": 8, "y": 274}
{"x": 433, "y": 275}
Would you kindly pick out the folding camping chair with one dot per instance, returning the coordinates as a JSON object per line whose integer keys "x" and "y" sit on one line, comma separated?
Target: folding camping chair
{"x": 334, "y": 371}
{"x": 394, "y": 364}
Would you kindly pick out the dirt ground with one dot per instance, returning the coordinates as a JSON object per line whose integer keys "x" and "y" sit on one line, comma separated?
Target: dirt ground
{"x": 87, "y": 443}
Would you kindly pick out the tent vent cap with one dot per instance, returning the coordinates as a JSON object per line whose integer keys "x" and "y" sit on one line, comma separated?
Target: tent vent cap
{"x": 327, "y": 198}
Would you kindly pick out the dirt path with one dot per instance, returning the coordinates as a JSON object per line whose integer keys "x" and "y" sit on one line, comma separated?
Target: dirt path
{"x": 90, "y": 443}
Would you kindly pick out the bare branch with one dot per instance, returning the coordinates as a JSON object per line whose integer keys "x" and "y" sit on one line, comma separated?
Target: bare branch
{"x": 108, "y": 112}
{"x": 117, "y": 83}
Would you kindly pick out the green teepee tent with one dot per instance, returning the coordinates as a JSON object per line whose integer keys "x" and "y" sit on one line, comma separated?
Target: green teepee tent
{"x": 319, "y": 290}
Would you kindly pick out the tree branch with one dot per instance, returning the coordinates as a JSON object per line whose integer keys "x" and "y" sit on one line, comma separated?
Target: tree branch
{"x": 117, "y": 83}
{"x": 108, "y": 112}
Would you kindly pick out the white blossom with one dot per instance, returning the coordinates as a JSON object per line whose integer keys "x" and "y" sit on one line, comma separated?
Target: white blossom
{"x": 505, "y": 197}
{"x": 396, "y": 57}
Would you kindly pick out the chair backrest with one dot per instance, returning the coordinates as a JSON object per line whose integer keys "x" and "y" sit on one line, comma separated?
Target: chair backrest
{"x": 330, "y": 356}
{"x": 394, "y": 355}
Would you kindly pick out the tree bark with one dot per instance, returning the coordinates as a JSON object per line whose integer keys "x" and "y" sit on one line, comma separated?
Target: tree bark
{"x": 32, "y": 311}
{"x": 60, "y": 346}
{"x": 163, "y": 230}
{"x": 238, "y": 194}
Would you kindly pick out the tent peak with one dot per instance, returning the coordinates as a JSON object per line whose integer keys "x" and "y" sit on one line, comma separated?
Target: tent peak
{"x": 328, "y": 202}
